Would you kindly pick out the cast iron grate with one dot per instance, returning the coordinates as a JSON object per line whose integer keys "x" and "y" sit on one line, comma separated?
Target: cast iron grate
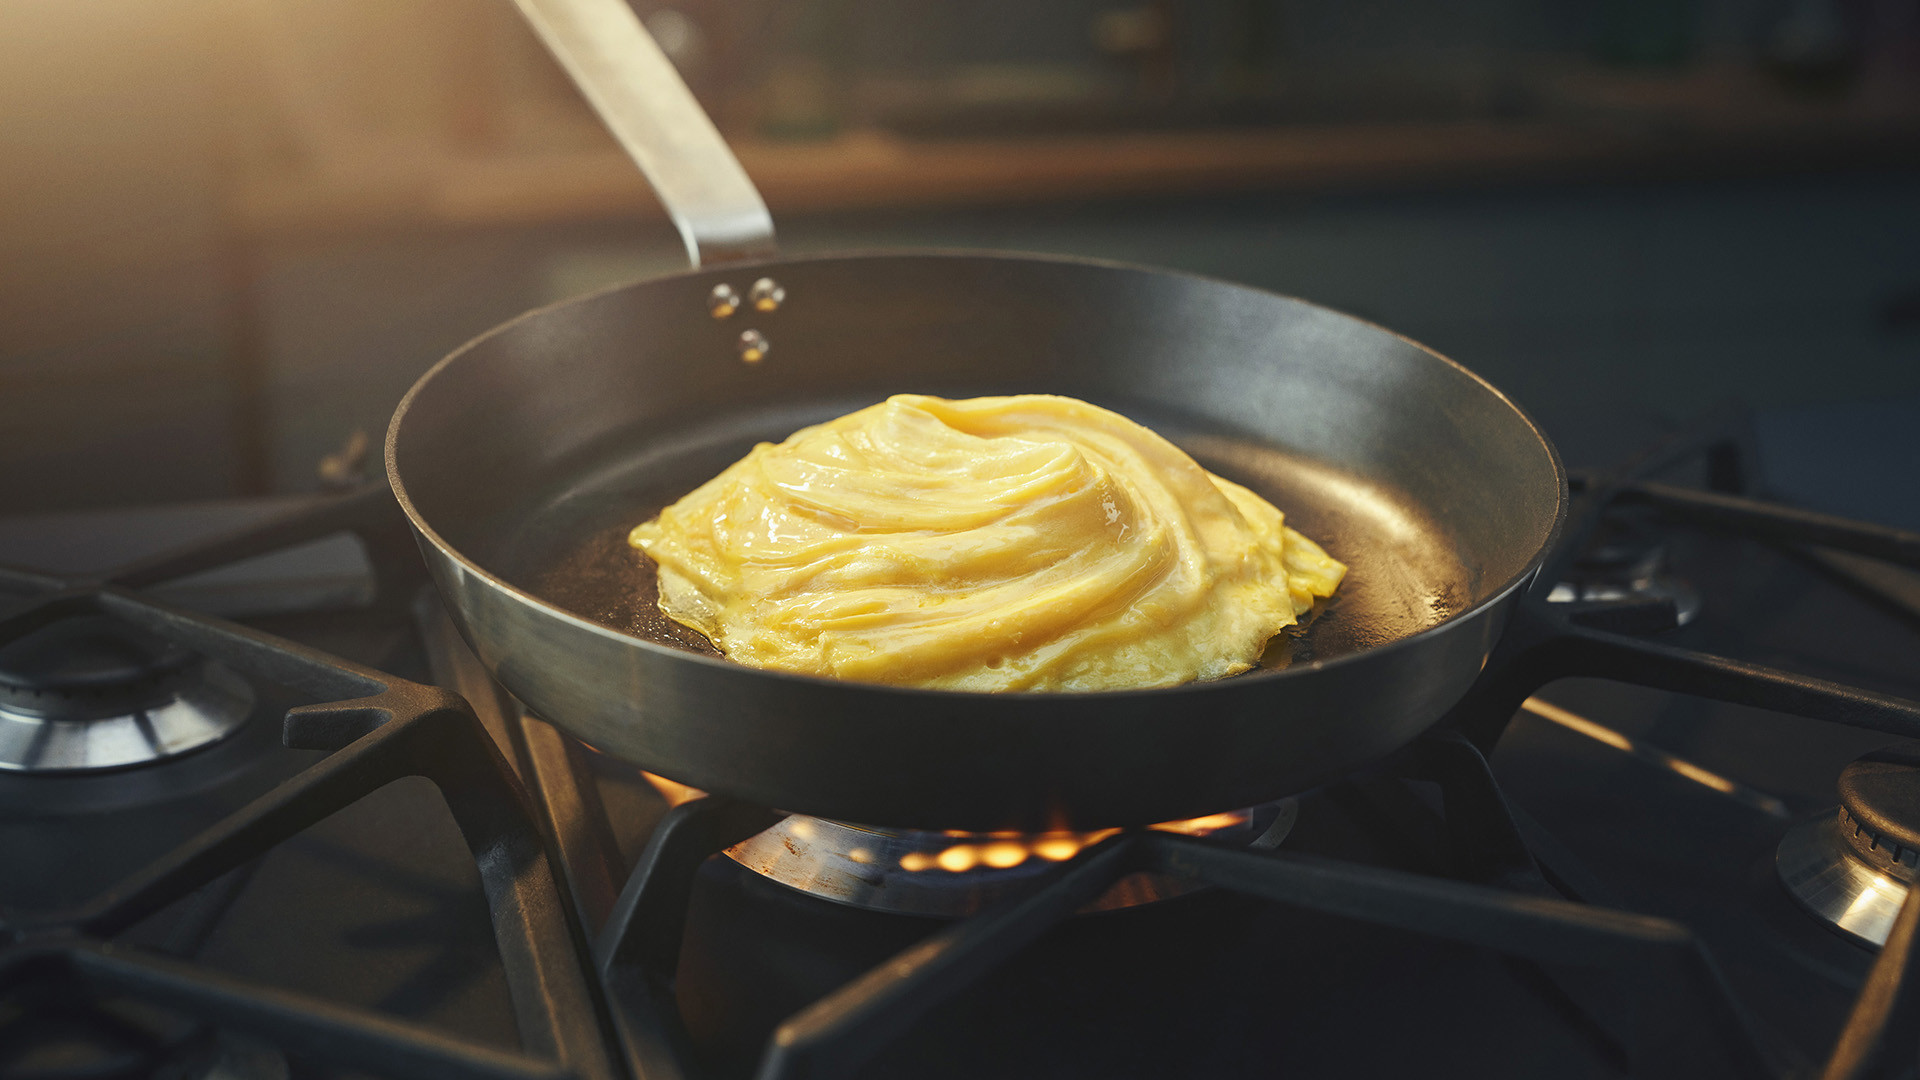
{"x": 381, "y": 729}
{"x": 599, "y": 1010}
{"x": 1518, "y": 893}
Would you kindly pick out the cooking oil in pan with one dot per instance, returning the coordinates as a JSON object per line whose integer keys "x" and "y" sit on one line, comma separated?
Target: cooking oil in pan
{"x": 767, "y": 294}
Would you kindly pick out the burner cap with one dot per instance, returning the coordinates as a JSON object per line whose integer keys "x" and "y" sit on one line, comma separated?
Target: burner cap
{"x": 1880, "y": 810}
{"x": 1622, "y": 548}
{"x": 92, "y": 692}
{"x": 1852, "y": 868}
{"x": 91, "y": 654}
{"x": 1627, "y": 560}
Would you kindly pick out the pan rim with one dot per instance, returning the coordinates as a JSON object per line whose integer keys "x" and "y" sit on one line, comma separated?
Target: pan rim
{"x": 1189, "y": 689}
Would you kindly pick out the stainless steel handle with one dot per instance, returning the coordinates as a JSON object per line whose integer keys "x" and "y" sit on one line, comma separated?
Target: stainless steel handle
{"x": 642, "y": 100}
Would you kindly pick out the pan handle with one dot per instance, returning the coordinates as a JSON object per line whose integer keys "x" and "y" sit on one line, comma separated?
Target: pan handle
{"x": 644, "y": 102}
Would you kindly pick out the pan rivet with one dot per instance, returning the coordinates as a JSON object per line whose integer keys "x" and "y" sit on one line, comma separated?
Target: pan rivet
{"x": 723, "y": 301}
{"x": 753, "y": 346}
{"x": 767, "y": 294}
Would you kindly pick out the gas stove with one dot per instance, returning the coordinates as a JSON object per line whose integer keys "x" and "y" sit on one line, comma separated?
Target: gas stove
{"x": 264, "y": 816}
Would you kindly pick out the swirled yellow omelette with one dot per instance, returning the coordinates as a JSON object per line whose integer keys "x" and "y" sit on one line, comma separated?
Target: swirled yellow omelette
{"x": 1000, "y": 543}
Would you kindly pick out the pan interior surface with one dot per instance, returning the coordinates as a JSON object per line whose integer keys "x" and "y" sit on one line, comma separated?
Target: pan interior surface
{"x": 524, "y": 459}
{"x": 531, "y": 452}
{"x": 567, "y": 544}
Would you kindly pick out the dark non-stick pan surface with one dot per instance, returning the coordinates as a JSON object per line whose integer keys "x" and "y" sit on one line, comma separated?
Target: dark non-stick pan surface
{"x": 526, "y": 458}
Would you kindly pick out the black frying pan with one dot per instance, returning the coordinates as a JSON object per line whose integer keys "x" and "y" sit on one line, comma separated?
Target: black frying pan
{"x": 524, "y": 458}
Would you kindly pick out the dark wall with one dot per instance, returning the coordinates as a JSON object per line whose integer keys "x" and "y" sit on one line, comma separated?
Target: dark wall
{"x": 112, "y": 300}
{"x": 1612, "y": 314}
{"x": 125, "y": 302}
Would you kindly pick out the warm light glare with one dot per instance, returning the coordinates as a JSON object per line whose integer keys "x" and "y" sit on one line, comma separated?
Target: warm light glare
{"x": 673, "y": 791}
{"x": 1057, "y": 848}
{"x": 1701, "y": 776}
{"x": 958, "y": 858}
{"x": 1656, "y": 756}
{"x": 1003, "y": 854}
{"x": 1577, "y": 723}
{"x": 1880, "y": 892}
{"x": 1006, "y": 850}
{"x": 1202, "y": 826}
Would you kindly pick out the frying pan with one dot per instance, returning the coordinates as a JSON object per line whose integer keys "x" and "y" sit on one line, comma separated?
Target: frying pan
{"x": 523, "y": 459}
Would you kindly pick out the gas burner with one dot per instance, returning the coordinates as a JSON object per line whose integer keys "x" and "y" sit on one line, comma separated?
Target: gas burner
{"x": 1852, "y": 869}
{"x": 1627, "y": 560}
{"x": 954, "y": 874}
{"x": 90, "y": 693}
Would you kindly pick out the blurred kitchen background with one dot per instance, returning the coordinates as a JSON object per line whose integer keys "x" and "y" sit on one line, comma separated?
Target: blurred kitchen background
{"x": 234, "y": 231}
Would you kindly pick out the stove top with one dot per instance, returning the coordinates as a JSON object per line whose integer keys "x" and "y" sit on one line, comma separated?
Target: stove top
{"x": 1624, "y": 853}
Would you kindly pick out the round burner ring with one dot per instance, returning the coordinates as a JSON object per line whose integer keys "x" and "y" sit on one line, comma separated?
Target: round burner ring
{"x": 204, "y": 706}
{"x": 91, "y": 693}
{"x": 1821, "y": 870}
{"x": 1853, "y": 868}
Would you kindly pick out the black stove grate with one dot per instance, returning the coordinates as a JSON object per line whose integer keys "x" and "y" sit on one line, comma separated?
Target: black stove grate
{"x": 381, "y": 729}
{"x": 548, "y": 866}
{"x": 1521, "y": 896}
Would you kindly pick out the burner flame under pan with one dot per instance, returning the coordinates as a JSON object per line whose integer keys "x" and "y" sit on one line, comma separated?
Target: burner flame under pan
{"x": 950, "y": 875}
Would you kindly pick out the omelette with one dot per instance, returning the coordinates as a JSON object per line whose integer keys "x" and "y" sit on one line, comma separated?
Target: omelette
{"x": 1031, "y": 542}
